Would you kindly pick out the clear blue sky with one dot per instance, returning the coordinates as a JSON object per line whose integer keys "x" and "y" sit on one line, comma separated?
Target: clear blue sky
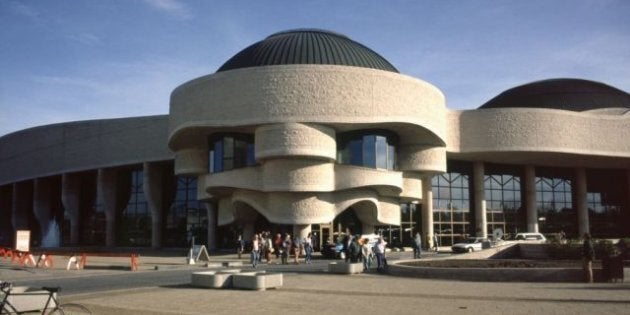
{"x": 77, "y": 60}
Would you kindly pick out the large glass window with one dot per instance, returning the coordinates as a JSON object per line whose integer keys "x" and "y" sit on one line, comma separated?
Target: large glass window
{"x": 555, "y": 205}
{"x": 369, "y": 148}
{"x": 503, "y": 203}
{"x": 402, "y": 235}
{"x": 135, "y": 224}
{"x": 230, "y": 151}
{"x": 187, "y": 217}
{"x": 451, "y": 206}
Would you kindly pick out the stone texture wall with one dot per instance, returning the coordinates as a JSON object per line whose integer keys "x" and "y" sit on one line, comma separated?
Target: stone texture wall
{"x": 76, "y": 146}
{"x": 538, "y": 130}
{"x": 295, "y": 113}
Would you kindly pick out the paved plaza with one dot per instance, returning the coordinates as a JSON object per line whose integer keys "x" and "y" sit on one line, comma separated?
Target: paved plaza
{"x": 309, "y": 289}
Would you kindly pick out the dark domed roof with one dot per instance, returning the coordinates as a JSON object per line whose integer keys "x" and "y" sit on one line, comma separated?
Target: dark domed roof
{"x": 307, "y": 46}
{"x": 568, "y": 94}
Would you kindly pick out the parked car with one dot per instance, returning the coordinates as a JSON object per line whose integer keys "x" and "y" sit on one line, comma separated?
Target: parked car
{"x": 470, "y": 244}
{"x": 333, "y": 250}
{"x": 530, "y": 237}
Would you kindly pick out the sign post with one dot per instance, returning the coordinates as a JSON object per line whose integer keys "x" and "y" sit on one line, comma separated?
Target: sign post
{"x": 23, "y": 240}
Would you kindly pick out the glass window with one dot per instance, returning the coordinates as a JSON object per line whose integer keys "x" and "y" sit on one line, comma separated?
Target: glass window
{"x": 356, "y": 153}
{"x": 391, "y": 157}
{"x": 451, "y": 200}
{"x": 381, "y": 152}
{"x": 186, "y": 217}
{"x": 369, "y": 157}
{"x": 555, "y": 208}
{"x": 135, "y": 222}
{"x": 369, "y": 148}
{"x": 230, "y": 152}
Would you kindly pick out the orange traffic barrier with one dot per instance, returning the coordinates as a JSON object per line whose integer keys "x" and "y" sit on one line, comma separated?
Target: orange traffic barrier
{"x": 80, "y": 260}
{"x": 23, "y": 258}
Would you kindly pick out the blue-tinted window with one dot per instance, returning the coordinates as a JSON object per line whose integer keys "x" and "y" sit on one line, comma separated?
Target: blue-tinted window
{"x": 230, "y": 152}
{"x": 356, "y": 152}
{"x": 369, "y": 154}
{"x": 369, "y": 148}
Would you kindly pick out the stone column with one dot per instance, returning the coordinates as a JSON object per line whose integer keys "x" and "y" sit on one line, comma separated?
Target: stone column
{"x": 427, "y": 210}
{"x": 301, "y": 230}
{"x": 581, "y": 204}
{"x": 42, "y": 205}
{"x": 531, "y": 209}
{"x": 367, "y": 228}
{"x": 106, "y": 198}
{"x": 22, "y": 204}
{"x": 481, "y": 226}
{"x": 154, "y": 193}
{"x": 71, "y": 199}
{"x": 212, "y": 225}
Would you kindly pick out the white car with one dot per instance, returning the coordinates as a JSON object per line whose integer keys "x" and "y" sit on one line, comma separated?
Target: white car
{"x": 470, "y": 245}
{"x": 530, "y": 237}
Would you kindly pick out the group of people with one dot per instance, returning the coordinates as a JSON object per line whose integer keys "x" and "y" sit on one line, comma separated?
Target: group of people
{"x": 358, "y": 249}
{"x": 262, "y": 245}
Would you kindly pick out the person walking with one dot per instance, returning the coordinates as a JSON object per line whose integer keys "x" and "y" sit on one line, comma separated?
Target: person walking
{"x": 379, "y": 251}
{"x": 347, "y": 240}
{"x": 297, "y": 248}
{"x": 367, "y": 254}
{"x": 354, "y": 250}
{"x": 436, "y": 243}
{"x": 286, "y": 247}
{"x": 255, "y": 250}
{"x": 588, "y": 254}
{"x": 308, "y": 248}
{"x": 268, "y": 247}
{"x": 240, "y": 246}
{"x": 277, "y": 245}
{"x": 417, "y": 246}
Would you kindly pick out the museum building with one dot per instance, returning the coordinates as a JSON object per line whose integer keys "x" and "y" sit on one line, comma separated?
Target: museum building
{"x": 310, "y": 131}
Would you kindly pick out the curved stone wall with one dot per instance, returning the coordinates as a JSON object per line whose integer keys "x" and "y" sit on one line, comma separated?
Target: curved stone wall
{"x": 530, "y": 131}
{"x": 293, "y": 139}
{"x": 338, "y": 96}
{"x": 84, "y": 145}
{"x": 295, "y": 112}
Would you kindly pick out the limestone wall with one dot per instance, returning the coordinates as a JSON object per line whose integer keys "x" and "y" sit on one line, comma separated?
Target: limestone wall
{"x": 85, "y": 145}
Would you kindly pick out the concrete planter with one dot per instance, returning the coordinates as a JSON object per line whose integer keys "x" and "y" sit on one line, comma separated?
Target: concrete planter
{"x": 213, "y": 279}
{"x": 257, "y": 281}
{"x": 345, "y": 268}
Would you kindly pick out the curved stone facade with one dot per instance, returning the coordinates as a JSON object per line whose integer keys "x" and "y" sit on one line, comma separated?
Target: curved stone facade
{"x": 308, "y": 144}
{"x": 545, "y": 136}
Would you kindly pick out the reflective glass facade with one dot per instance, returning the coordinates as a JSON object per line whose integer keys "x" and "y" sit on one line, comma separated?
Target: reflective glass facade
{"x": 554, "y": 203}
{"x": 503, "y": 203}
{"x": 186, "y": 217}
{"x": 134, "y": 228}
{"x": 230, "y": 151}
{"x": 452, "y": 206}
{"x": 368, "y": 148}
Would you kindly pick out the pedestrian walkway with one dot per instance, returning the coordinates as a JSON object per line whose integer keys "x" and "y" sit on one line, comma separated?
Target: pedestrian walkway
{"x": 309, "y": 289}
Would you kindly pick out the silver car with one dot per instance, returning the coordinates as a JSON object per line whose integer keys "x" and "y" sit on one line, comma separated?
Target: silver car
{"x": 470, "y": 245}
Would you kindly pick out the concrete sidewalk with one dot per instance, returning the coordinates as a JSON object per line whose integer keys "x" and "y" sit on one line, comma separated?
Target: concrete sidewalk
{"x": 317, "y": 292}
